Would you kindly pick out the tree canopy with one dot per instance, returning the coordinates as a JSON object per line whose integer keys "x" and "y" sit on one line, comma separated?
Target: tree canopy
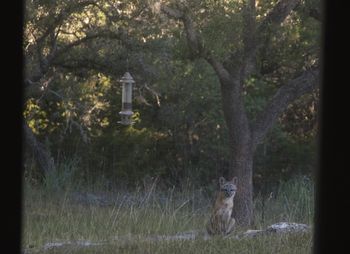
{"x": 76, "y": 51}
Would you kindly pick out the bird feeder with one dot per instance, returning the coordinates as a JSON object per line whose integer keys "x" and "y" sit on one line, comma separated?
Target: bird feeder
{"x": 126, "y": 113}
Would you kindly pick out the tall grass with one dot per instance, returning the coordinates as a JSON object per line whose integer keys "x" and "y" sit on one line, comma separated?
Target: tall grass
{"x": 293, "y": 201}
{"x": 62, "y": 177}
{"x": 55, "y": 214}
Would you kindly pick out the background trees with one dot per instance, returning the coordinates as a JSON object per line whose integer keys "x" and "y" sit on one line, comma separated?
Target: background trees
{"x": 213, "y": 78}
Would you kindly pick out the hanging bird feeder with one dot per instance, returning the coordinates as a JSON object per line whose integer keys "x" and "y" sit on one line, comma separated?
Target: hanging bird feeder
{"x": 127, "y": 85}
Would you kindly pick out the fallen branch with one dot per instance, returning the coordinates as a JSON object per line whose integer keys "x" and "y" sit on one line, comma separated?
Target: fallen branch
{"x": 278, "y": 228}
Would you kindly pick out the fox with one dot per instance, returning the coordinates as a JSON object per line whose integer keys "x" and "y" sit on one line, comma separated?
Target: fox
{"x": 221, "y": 221}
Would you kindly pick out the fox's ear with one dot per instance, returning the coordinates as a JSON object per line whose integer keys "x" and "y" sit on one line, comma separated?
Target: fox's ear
{"x": 234, "y": 180}
{"x": 221, "y": 180}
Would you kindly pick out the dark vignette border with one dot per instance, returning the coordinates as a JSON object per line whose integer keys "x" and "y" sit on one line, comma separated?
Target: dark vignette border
{"x": 332, "y": 201}
{"x": 11, "y": 122}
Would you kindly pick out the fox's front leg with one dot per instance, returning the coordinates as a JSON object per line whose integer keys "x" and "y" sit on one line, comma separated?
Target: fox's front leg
{"x": 230, "y": 226}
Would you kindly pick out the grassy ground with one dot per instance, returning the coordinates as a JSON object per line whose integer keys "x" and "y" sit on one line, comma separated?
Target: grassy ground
{"x": 287, "y": 244}
{"x": 55, "y": 216}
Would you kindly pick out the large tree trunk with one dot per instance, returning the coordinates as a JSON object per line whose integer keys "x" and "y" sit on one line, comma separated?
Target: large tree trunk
{"x": 243, "y": 203}
{"x": 241, "y": 152}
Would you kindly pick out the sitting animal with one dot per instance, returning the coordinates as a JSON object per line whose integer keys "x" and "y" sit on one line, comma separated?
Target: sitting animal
{"x": 221, "y": 222}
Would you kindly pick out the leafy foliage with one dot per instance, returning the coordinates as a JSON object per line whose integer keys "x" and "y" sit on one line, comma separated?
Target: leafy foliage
{"x": 80, "y": 49}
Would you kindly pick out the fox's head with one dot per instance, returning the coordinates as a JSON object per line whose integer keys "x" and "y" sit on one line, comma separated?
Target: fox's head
{"x": 228, "y": 188}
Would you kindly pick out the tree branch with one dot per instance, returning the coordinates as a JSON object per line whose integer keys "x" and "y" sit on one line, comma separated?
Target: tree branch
{"x": 196, "y": 45}
{"x": 316, "y": 14}
{"x": 224, "y": 76}
{"x": 174, "y": 13}
{"x": 78, "y": 65}
{"x": 278, "y": 14}
{"x": 58, "y": 20}
{"x": 285, "y": 95}
{"x": 45, "y": 62}
{"x": 249, "y": 39}
{"x": 194, "y": 41}
{"x": 104, "y": 34}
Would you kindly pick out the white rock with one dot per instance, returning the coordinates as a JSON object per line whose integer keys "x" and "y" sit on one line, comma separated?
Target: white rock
{"x": 283, "y": 227}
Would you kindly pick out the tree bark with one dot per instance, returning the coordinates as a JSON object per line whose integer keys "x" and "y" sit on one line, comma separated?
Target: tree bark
{"x": 42, "y": 157}
{"x": 242, "y": 160}
{"x": 240, "y": 143}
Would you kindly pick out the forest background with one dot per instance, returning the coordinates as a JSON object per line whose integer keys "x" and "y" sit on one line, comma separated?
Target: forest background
{"x": 76, "y": 52}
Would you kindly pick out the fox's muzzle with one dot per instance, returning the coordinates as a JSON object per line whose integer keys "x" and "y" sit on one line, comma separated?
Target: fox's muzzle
{"x": 228, "y": 193}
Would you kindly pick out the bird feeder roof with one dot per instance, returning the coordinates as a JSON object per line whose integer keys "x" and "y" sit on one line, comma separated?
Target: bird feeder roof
{"x": 127, "y": 78}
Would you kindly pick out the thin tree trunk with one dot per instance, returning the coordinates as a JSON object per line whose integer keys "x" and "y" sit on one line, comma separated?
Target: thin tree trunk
{"x": 42, "y": 156}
